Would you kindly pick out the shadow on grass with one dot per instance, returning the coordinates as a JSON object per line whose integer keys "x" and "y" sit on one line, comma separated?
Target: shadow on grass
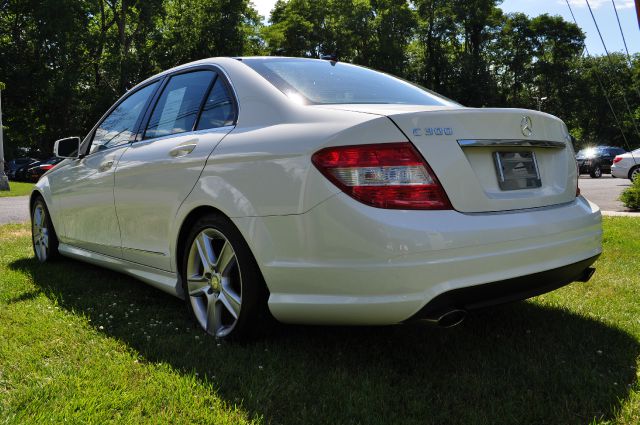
{"x": 521, "y": 363}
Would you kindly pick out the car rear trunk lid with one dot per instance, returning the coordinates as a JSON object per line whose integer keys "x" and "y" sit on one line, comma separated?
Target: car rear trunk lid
{"x": 495, "y": 159}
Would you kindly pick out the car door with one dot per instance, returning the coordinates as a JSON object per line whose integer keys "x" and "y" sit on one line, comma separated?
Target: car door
{"x": 83, "y": 191}
{"x": 191, "y": 116}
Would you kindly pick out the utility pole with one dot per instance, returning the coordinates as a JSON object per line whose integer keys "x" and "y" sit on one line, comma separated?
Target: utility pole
{"x": 4, "y": 180}
{"x": 638, "y": 11}
{"x": 540, "y": 100}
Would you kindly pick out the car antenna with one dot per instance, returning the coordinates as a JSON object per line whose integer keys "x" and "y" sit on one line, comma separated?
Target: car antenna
{"x": 333, "y": 57}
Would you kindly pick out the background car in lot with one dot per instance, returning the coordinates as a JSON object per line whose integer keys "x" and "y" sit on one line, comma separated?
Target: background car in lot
{"x": 15, "y": 164}
{"x": 21, "y": 172}
{"x": 36, "y": 171}
{"x": 626, "y": 165}
{"x": 597, "y": 160}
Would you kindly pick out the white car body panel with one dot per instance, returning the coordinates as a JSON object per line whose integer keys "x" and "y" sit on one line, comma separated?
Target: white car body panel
{"x": 150, "y": 185}
{"x": 82, "y": 196}
{"x": 327, "y": 258}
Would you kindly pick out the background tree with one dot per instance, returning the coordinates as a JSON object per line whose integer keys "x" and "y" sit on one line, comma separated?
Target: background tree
{"x": 66, "y": 61}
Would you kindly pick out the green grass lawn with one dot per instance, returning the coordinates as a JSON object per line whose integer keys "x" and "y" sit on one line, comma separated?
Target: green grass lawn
{"x": 85, "y": 345}
{"x": 17, "y": 189}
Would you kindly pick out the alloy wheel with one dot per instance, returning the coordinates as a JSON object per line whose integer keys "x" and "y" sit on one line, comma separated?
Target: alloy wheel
{"x": 214, "y": 282}
{"x": 635, "y": 173}
{"x": 40, "y": 232}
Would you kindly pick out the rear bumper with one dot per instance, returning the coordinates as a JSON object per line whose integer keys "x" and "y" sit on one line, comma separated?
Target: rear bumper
{"x": 509, "y": 290}
{"x": 619, "y": 172}
{"x": 346, "y": 263}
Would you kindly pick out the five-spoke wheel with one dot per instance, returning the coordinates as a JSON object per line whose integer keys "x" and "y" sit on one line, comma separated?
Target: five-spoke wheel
{"x": 223, "y": 286}
{"x": 45, "y": 242}
{"x": 214, "y": 282}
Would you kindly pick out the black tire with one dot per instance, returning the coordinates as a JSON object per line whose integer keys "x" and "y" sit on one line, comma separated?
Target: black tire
{"x": 253, "y": 317}
{"x": 596, "y": 172}
{"x": 634, "y": 173}
{"x": 43, "y": 235}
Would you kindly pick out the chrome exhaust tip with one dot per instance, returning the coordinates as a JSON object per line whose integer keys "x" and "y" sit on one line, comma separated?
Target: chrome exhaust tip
{"x": 448, "y": 319}
{"x": 452, "y": 318}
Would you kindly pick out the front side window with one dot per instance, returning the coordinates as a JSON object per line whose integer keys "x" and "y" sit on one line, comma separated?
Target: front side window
{"x": 218, "y": 110}
{"x": 177, "y": 108}
{"x": 118, "y": 128}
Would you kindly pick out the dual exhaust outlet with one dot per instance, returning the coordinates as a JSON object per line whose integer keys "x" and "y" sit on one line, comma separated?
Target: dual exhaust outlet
{"x": 454, "y": 316}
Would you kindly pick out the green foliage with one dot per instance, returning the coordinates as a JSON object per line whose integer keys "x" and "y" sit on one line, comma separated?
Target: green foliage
{"x": 630, "y": 197}
{"x": 66, "y": 61}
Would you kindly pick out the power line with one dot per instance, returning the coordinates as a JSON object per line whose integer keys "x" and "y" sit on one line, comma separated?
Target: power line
{"x": 624, "y": 41}
{"x": 624, "y": 97}
{"x": 604, "y": 90}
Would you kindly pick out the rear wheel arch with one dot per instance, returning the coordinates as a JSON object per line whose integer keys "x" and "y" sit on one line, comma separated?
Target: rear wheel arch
{"x": 186, "y": 225}
{"x": 185, "y": 228}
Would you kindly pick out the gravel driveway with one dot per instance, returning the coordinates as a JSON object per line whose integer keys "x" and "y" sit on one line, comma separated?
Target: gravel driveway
{"x": 14, "y": 209}
{"x": 604, "y": 191}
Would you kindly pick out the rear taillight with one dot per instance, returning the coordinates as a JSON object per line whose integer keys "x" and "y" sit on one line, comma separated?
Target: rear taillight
{"x": 46, "y": 167}
{"x": 617, "y": 159}
{"x": 390, "y": 175}
{"x": 577, "y": 180}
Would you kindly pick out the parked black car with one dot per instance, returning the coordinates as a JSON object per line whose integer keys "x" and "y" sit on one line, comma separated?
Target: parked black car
{"x": 597, "y": 160}
{"x": 15, "y": 164}
{"x": 35, "y": 172}
{"x": 21, "y": 172}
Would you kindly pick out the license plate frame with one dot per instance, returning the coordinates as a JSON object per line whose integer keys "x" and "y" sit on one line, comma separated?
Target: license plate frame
{"x": 517, "y": 170}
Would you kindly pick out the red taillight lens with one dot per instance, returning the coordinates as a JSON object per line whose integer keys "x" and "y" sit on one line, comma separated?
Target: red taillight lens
{"x": 617, "y": 159}
{"x": 390, "y": 175}
{"x": 577, "y": 180}
{"x": 46, "y": 167}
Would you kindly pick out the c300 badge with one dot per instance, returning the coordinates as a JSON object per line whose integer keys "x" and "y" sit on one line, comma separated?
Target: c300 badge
{"x": 433, "y": 131}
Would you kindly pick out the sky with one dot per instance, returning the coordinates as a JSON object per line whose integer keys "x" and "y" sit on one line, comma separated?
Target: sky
{"x": 602, "y": 9}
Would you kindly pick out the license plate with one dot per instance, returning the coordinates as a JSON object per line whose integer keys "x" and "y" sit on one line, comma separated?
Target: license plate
{"x": 517, "y": 170}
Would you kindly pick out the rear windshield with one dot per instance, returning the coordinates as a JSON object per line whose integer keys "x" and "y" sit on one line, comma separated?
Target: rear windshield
{"x": 314, "y": 81}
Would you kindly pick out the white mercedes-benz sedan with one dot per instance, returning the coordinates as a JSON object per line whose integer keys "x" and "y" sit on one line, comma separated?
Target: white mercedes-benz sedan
{"x": 318, "y": 192}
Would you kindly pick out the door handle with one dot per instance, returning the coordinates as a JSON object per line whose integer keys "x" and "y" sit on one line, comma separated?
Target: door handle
{"x": 184, "y": 148}
{"x": 105, "y": 165}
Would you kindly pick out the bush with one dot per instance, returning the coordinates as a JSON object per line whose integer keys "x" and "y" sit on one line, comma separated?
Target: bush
{"x": 631, "y": 195}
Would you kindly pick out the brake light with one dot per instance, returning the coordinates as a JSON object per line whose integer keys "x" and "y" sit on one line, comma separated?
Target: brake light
{"x": 46, "y": 167}
{"x": 617, "y": 159}
{"x": 390, "y": 175}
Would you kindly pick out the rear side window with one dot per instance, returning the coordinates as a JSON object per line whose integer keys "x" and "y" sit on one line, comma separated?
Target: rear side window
{"x": 218, "y": 110}
{"x": 177, "y": 109}
{"x": 119, "y": 126}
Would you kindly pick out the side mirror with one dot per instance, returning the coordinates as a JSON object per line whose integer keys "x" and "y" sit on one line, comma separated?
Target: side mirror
{"x": 67, "y": 148}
